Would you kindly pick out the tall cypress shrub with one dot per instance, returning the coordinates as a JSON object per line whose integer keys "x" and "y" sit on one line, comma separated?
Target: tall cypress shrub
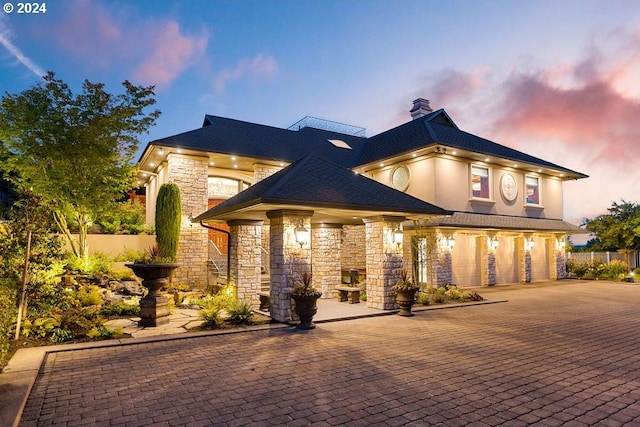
{"x": 168, "y": 216}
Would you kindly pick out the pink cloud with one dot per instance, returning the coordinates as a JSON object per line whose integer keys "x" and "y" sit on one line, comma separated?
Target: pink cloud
{"x": 153, "y": 52}
{"x": 591, "y": 118}
{"x": 260, "y": 66}
{"x": 171, "y": 53}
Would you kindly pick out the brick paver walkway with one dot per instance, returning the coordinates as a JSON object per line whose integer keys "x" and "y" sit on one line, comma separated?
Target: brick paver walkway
{"x": 562, "y": 355}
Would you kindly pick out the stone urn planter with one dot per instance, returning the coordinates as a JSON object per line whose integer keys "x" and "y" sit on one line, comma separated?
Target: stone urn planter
{"x": 405, "y": 292}
{"x": 154, "y": 307}
{"x": 305, "y": 297}
{"x": 405, "y": 299}
{"x": 305, "y": 307}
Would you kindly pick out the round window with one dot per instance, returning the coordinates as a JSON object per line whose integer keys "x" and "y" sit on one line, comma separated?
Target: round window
{"x": 400, "y": 178}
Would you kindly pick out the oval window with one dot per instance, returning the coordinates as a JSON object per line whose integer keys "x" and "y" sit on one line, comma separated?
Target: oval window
{"x": 400, "y": 178}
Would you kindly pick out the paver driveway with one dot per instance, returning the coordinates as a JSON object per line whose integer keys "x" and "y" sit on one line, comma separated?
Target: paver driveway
{"x": 553, "y": 355}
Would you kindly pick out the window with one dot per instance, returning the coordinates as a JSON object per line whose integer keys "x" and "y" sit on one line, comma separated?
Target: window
{"x": 400, "y": 178}
{"x": 479, "y": 182}
{"x": 219, "y": 187}
{"x": 533, "y": 190}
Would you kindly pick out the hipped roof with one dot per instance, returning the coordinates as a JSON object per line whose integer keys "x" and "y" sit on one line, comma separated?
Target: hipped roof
{"x": 333, "y": 192}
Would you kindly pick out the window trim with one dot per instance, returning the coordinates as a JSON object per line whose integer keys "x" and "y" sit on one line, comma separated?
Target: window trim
{"x": 528, "y": 204}
{"x": 489, "y": 199}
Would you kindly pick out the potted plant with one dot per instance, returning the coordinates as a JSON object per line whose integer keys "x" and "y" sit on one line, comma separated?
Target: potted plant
{"x": 157, "y": 266}
{"x": 405, "y": 291}
{"x": 305, "y": 297}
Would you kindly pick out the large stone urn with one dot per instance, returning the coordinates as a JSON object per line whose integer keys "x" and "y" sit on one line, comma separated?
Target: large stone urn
{"x": 305, "y": 307}
{"x": 405, "y": 299}
{"x": 154, "y": 307}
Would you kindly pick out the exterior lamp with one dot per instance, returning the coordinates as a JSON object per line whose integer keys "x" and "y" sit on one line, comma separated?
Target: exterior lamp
{"x": 397, "y": 236}
{"x": 451, "y": 242}
{"x": 302, "y": 234}
{"x": 493, "y": 243}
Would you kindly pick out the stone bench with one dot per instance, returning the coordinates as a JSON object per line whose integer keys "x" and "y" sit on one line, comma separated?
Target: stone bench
{"x": 264, "y": 300}
{"x": 348, "y": 293}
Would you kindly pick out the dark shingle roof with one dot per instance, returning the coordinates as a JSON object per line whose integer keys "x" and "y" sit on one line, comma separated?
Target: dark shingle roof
{"x": 470, "y": 220}
{"x": 230, "y": 136}
{"x": 316, "y": 182}
{"x": 438, "y": 128}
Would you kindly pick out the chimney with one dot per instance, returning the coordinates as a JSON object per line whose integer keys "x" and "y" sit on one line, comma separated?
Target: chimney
{"x": 420, "y": 108}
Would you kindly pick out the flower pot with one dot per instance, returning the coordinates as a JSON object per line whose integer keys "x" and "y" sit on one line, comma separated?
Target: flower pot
{"x": 405, "y": 300}
{"x": 154, "y": 308}
{"x": 305, "y": 307}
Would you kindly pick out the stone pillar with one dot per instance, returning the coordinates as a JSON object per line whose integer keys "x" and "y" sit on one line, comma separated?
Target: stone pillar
{"x": 287, "y": 258}
{"x": 190, "y": 174}
{"x": 245, "y": 248}
{"x": 524, "y": 259}
{"x": 488, "y": 260}
{"x": 444, "y": 260}
{"x": 325, "y": 254}
{"x": 558, "y": 257}
{"x": 383, "y": 259}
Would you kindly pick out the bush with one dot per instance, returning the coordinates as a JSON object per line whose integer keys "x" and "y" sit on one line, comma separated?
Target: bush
{"x": 90, "y": 295}
{"x": 97, "y": 263}
{"x": 120, "y": 309}
{"x": 8, "y": 315}
{"x": 616, "y": 269}
{"x": 240, "y": 312}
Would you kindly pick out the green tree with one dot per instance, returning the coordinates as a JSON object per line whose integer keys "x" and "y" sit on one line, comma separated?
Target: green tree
{"x": 619, "y": 229}
{"x": 74, "y": 150}
{"x": 168, "y": 217}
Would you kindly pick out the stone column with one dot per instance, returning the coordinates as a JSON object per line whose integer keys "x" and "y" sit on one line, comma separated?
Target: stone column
{"x": 325, "y": 254}
{"x": 524, "y": 259}
{"x": 245, "y": 247}
{"x": 262, "y": 171}
{"x": 488, "y": 260}
{"x": 383, "y": 259}
{"x": 444, "y": 260}
{"x": 190, "y": 174}
{"x": 287, "y": 258}
{"x": 558, "y": 257}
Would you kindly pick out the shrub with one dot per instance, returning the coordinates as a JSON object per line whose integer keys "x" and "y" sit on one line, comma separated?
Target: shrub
{"x": 90, "y": 295}
{"x": 424, "y": 298}
{"x": 98, "y": 263}
{"x": 120, "y": 309}
{"x": 616, "y": 269}
{"x": 8, "y": 314}
{"x": 168, "y": 218}
{"x": 240, "y": 312}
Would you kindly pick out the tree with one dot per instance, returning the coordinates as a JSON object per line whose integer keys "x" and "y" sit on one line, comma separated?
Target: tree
{"x": 76, "y": 151}
{"x": 168, "y": 218}
{"x": 619, "y": 229}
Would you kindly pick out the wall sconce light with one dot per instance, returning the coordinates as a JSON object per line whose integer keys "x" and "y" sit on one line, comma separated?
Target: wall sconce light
{"x": 493, "y": 242}
{"x": 447, "y": 242}
{"x": 561, "y": 243}
{"x": 451, "y": 242}
{"x": 529, "y": 244}
{"x": 302, "y": 234}
{"x": 397, "y": 236}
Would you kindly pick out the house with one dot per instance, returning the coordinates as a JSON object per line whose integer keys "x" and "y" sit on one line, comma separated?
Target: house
{"x": 446, "y": 205}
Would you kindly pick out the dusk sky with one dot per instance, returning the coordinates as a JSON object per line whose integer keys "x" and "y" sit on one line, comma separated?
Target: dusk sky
{"x": 557, "y": 79}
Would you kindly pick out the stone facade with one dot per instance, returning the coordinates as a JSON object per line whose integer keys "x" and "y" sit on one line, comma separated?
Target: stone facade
{"x": 245, "y": 248}
{"x": 261, "y": 171}
{"x": 190, "y": 174}
{"x": 353, "y": 254}
{"x": 383, "y": 261}
{"x": 288, "y": 260}
{"x": 325, "y": 256}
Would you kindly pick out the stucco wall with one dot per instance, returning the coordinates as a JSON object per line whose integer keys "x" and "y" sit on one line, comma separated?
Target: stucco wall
{"x": 115, "y": 244}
